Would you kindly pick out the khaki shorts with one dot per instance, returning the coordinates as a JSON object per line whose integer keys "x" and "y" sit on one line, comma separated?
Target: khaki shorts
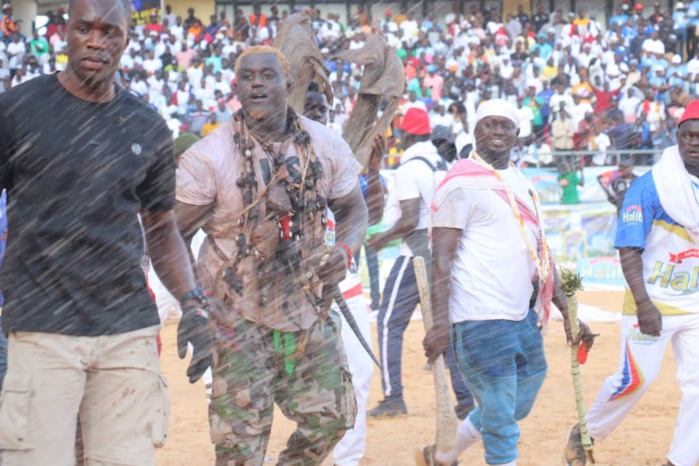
{"x": 112, "y": 382}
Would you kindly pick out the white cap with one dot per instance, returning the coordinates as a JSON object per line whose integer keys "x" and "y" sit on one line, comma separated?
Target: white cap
{"x": 676, "y": 59}
{"x": 497, "y": 107}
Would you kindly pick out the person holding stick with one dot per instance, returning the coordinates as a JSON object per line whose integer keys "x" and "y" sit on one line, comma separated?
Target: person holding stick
{"x": 259, "y": 187}
{"x": 658, "y": 241}
{"x": 487, "y": 289}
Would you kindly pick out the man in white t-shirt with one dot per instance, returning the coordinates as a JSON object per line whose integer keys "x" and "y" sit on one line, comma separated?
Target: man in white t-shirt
{"x": 411, "y": 196}
{"x": 526, "y": 117}
{"x": 490, "y": 263}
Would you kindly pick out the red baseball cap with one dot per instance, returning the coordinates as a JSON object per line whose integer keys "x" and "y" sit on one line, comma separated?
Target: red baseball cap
{"x": 691, "y": 112}
{"x": 638, "y": 6}
{"x": 416, "y": 121}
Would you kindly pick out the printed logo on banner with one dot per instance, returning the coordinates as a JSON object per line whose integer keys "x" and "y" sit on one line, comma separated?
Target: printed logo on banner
{"x": 632, "y": 214}
{"x": 678, "y": 258}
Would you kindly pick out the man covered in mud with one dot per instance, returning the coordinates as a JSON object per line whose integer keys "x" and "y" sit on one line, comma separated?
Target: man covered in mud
{"x": 260, "y": 188}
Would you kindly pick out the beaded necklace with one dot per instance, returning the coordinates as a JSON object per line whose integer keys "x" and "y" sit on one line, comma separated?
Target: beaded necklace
{"x": 543, "y": 267}
{"x": 288, "y": 193}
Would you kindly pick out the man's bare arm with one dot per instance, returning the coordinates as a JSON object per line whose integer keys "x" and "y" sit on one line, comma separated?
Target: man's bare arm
{"x": 445, "y": 242}
{"x": 649, "y": 318}
{"x": 351, "y": 217}
{"x": 168, "y": 252}
{"x": 190, "y": 218}
{"x": 408, "y": 221}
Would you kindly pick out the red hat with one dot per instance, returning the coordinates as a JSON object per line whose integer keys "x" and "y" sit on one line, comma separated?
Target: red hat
{"x": 638, "y": 6}
{"x": 416, "y": 121}
{"x": 691, "y": 112}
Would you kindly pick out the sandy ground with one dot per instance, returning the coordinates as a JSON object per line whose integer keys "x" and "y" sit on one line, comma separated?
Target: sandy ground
{"x": 643, "y": 439}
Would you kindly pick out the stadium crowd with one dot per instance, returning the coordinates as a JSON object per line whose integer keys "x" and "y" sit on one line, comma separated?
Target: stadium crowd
{"x": 578, "y": 84}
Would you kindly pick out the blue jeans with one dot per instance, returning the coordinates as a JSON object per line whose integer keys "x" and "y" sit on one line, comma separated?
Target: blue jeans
{"x": 504, "y": 366}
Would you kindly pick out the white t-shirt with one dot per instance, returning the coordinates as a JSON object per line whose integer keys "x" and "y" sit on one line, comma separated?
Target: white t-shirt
{"x": 525, "y": 116}
{"x": 416, "y": 180}
{"x": 493, "y": 269}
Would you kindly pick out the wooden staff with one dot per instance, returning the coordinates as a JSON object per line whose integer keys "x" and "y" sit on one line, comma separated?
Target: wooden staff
{"x": 447, "y": 422}
{"x": 570, "y": 284}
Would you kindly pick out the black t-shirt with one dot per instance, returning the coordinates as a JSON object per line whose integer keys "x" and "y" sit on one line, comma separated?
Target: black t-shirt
{"x": 78, "y": 173}
{"x": 539, "y": 20}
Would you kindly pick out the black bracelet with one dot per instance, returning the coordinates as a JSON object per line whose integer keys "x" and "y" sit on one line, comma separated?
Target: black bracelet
{"x": 197, "y": 294}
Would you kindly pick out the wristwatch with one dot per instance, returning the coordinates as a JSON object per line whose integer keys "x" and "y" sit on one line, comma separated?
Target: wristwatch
{"x": 197, "y": 294}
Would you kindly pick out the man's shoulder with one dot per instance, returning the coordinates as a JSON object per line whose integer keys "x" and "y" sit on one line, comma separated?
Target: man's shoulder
{"x": 134, "y": 106}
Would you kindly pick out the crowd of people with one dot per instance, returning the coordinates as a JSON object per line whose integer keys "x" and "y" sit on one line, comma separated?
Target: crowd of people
{"x": 578, "y": 84}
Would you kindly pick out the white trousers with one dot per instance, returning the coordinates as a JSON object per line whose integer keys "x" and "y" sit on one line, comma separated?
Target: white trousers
{"x": 350, "y": 450}
{"x": 639, "y": 365}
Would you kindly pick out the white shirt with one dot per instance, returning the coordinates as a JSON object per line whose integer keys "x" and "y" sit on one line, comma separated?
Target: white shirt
{"x": 441, "y": 120}
{"x": 525, "y": 116}
{"x": 493, "y": 269}
{"x": 628, "y": 106}
{"x": 603, "y": 143}
{"x": 416, "y": 180}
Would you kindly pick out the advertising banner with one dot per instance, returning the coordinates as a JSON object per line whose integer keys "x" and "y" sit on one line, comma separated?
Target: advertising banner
{"x": 141, "y": 10}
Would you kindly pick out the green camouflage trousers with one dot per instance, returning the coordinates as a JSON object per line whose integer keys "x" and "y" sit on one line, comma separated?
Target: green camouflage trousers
{"x": 304, "y": 373}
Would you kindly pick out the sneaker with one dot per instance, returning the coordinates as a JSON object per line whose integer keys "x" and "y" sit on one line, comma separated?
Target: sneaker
{"x": 389, "y": 408}
{"x": 425, "y": 457}
{"x": 462, "y": 411}
{"x": 574, "y": 451}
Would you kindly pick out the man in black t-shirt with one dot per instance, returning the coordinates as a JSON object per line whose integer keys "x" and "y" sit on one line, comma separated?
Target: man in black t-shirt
{"x": 80, "y": 158}
{"x": 540, "y": 18}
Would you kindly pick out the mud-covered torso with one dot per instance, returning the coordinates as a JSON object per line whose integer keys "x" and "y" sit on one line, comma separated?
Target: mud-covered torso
{"x": 265, "y": 237}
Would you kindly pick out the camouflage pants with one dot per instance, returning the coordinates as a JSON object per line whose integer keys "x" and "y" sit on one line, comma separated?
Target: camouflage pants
{"x": 251, "y": 373}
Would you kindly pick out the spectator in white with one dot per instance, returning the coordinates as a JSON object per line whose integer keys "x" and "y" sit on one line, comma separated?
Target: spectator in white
{"x": 512, "y": 27}
{"x": 177, "y": 29}
{"x": 198, "y": 118}
{"x": 440, "y": 118}
{"x": 330, "y": 30}
{"x": 525, "y": 115}
{"x": 138, "y": 85}
{"x": 602, "y": 142}
{"x": 222, "y": 85}
{"x": 410, "y": 29}
{"x": 151, "y": 64}
{"x": 562, "y": 132}
{"x": 540, "y": 153}
{"x": 16, "y": 50}
{"x": 357, "y": 41}
{"x": 131, "y": 60}
{"x": 195, "y": 72}
{"x": 20, "y": 77}
{"x": 169, "y": 16}
{"x": 693, "y": 66}
{"x": 629, "y": 105}
{"x": 506, "y": 68}
{"x": 205, "y": 93}
{"x": 412, "y": 102}
{"x": 464, "y": 138}
{"x": 653, "y": 44}
{"x": 560, "y": 101}
{"x": 4, "y": 72}
{"x": 155, "y": 83}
